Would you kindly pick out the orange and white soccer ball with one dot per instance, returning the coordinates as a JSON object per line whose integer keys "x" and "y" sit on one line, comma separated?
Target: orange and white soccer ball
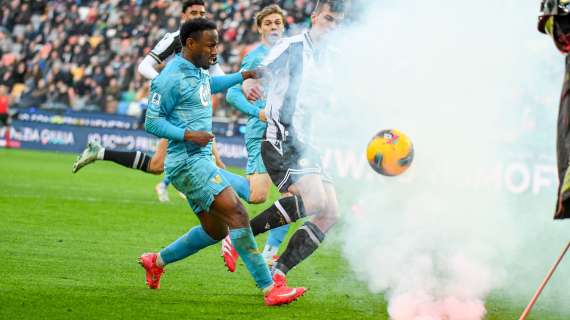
{"x": 390, "y": 152}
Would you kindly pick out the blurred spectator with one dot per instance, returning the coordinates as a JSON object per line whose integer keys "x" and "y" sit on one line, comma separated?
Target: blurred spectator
{"x": 4, "y": 101}
{"x": 83, "y": 54}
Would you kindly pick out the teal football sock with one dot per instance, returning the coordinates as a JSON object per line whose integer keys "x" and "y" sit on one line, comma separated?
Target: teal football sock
{"x": 277, "y": 235}
{"x": 238, "y": 183}
{"x": 187, "y": 245}
{"x": 243, "y": 241}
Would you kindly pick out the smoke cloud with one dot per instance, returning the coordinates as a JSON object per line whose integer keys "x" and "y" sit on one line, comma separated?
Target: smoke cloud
{"x": 475, "y": 86}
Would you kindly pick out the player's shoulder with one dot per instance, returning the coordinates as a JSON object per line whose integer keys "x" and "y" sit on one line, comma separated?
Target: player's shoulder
{"x": 175, "y": 71}
{"x": 190, "y": 77}
{"x": 254, "y": 55}
{"x": 281, "y": 48}
{"x": 257, "y": 50}
{"x": 293, "y": 41}
{"x": 169, "y": 39}
{"x": 171, "y": 36}
{"x": 284, "y": 44}
{"x": 297, "y": 38}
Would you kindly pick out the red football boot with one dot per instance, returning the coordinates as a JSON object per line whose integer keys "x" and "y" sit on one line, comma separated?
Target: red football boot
{"x": 283, "y": 295}
{"x": 153, "y": 272}
{"x": 279, "y": 279}
{"x": 229, "y": 254}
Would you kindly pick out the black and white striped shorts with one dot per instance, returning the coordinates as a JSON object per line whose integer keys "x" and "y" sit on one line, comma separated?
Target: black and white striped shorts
{"x": 286, "y": 163}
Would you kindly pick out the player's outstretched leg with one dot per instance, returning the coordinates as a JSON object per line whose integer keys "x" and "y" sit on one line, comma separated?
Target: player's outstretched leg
{"x": 94, "y": 151}
{"x": 185, "y": 246}
{"x": 274, "y": 240}
{"x": 301, "y": 245}
{"x": 232, "y": 213}
{"x": 315, "y": 198}
{"x": 260, "y": 182}
{"x": 131, "y": 159}
{"x": 276, "y": 237}
{"x": 309, "y": 237}
{"x": 283, "y": 211}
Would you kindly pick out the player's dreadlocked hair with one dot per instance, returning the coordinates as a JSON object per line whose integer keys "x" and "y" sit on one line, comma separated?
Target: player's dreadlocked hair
{"x": 194, "y": 28}
{"x": 336, "y": 6}
{"x": 190, "y": 3}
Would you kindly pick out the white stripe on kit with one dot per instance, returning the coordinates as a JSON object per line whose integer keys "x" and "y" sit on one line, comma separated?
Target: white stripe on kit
{"x": 290, "y": 172}
{"x": 311, "y": 235}
{"x": 137, "y": 158}
{"x": 283, "y": 212}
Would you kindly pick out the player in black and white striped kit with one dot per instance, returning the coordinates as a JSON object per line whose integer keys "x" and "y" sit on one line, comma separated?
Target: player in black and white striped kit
{"x": 292, "y": 163}
{"x": 170, "y": 44}
{"x": 167, "y": 47}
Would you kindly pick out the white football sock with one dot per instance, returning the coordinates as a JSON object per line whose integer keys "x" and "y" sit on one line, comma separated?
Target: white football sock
{"x": 269, "y": 252}
{"x": 159, "y": 261}
{"x": 268, "y": 289}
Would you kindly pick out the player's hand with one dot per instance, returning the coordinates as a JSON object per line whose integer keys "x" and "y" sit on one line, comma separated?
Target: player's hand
{"x": 262, "y": 115}
{"x": 200, "y": 138}
{"x": 257, "y": 73}
{"x": 252, "y": 90}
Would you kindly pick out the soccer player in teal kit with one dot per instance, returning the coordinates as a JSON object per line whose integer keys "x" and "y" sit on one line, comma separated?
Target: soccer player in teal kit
{"x": 180, "y": 110}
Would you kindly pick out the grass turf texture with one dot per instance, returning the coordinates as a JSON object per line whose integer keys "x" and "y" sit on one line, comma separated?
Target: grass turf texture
{"x": 69, "y": 245}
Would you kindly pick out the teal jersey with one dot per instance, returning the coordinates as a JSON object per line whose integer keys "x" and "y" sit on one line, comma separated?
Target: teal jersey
{"x": 181, "y": 99}
{"x": 255, "y": 128}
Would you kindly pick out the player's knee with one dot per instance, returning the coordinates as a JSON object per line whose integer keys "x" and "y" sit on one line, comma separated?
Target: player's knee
{"x": 325, "y": 223}
{"x": 328, "y": 217}
{"x": 331, "y": 220}
{"x": 332, "y": 211}
{"x": 216, "y": 229}
{"x": 257, "y": 197}
{"x": 216, "y": 232}
{"x": 219, "y": 235}
{"x": 238, "y": 217}
{"x": 156, "y": 166}
{"x": 315, "y": 203}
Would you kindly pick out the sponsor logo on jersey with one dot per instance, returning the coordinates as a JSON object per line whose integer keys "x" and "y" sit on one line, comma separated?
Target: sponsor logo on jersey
{"x": 155, "y": 99}
{"x": 217, "y": 179}
{"x": 205, "y": 95}
{"x": 303, "y": 162}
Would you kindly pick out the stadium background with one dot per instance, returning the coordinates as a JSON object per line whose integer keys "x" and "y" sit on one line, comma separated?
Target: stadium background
{"x": 82, "y": 55}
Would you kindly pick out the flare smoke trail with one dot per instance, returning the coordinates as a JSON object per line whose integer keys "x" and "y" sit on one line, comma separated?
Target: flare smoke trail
{"x": 472, "y": 83}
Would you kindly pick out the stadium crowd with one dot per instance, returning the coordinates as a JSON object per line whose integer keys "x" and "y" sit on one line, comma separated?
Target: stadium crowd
{"x": 83, "y": 55}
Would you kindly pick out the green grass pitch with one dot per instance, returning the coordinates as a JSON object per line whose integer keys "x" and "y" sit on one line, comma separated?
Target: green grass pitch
{"x": 69, "y": 245}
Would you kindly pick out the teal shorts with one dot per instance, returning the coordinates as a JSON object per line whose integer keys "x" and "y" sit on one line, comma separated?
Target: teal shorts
{"x": 254, "y": 160}
{"x": 199, "y": 179}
